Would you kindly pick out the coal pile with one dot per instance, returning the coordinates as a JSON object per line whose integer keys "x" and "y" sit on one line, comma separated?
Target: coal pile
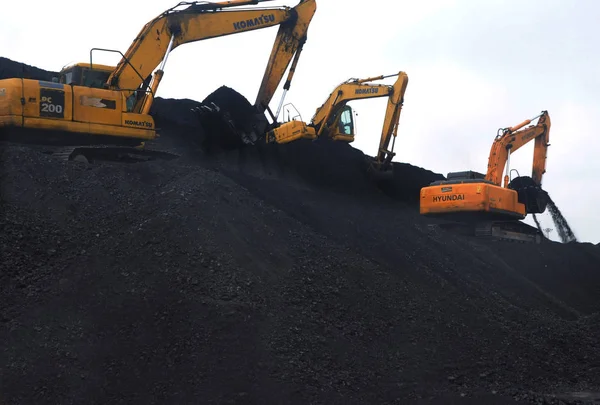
{"x": 323, "y": 163}
{"x": 247, "y": 290}
{"x": 230, "y": 116}
{"x": 215, "y": 280}
{"x": 174, "y": 112}
{"x": 13, "y": 69}
{"x": 407, "y": 182}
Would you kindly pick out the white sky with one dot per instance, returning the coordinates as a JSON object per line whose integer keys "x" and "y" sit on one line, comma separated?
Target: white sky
{"x": 474, "y": 66}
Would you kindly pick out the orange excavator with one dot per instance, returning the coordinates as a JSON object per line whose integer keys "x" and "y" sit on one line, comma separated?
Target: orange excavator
{"x": 483, "y": 205}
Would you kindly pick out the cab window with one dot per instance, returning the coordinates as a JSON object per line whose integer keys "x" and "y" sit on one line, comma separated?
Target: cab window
{"x": 94, "y": 78}
{"x": 345, "y": 121}
{"x": 68, "y": 76}
{"x": 79, "y": 76}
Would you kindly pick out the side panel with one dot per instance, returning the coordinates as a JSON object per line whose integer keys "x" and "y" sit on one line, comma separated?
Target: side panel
{"x": 47, "y": 100}
{"x": 11, "y": 109}
{"x": 454, "y": 197}
{"x": 471, "y": 197}
{"x": 291, "y": 131}
{"x": 139, "y": 121}
{"x": 48, "y": 106}
{"x": 504, "y": 199}
{"x": 97, "y": 106}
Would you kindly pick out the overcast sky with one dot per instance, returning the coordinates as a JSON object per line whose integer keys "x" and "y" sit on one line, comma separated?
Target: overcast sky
{"x": 474, "y": 66}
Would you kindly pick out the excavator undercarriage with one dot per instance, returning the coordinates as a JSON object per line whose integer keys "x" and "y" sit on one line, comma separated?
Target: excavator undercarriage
{"x": 67, "y": 146}
{"x": 499, "y": 230}
{"x": 111, "y": 154}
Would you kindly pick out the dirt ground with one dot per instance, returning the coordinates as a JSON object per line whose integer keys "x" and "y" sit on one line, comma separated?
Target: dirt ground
{"x": 266, "y": 277}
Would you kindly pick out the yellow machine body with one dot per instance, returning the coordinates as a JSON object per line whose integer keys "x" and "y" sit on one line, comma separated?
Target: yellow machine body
{"x": 114, "y": 101}
{"x": 70, "y": 107}
{"x": 291, "y": 131}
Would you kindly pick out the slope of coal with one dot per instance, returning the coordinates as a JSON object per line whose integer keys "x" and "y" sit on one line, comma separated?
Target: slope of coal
{"x": 12, "y": 69}
{"x": 242, "y": 289}
{"x": 322, "y": 163}
{"x": 215, "y": 280}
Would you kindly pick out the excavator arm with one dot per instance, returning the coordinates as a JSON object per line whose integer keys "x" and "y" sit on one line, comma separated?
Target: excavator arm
{"x": 290, "y": 40}
{"x": 390, "y": 124}
{"x": 509, "y": 140}
{"x": 199, "y": 21}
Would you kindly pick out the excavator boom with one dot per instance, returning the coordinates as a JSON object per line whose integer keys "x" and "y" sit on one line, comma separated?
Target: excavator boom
{"x": 348, "y": 91}
{"x": 194, "y": 23}
{"x": 356, "y": 89}
{"x": 200, "y": 21}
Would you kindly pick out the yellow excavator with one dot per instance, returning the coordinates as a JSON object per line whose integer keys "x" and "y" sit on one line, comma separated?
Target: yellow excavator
{"x": 93, "y": 104}
{"x": 484, "y": 206}
{"x": 334, "y": 119}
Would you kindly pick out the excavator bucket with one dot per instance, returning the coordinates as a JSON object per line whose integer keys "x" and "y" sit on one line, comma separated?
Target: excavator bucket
{"x": 530, "y": 194}
{"x": 379, "y": 174}
{"x": 231, "y": 120}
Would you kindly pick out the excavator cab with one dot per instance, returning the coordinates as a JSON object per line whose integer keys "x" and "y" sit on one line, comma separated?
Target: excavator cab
{"x": 345, "y": 125}
{"x": 81, "y": 74}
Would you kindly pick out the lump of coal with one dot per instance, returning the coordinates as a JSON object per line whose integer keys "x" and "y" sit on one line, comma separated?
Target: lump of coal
{"x": 230, "y": 120}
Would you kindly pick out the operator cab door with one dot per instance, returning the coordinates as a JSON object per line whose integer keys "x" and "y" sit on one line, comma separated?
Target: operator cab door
{"x": 344, "y": 130}
{"x": 91, "y": 102}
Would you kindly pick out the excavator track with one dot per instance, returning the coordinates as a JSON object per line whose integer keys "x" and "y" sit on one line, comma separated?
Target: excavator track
{"x": 120, "y": 154}
{"x": 508, "y": 230}
{"x": 512, "y": 231}
{"x": 90, "y": 154}
{"x": 69, "y": 147}
{"x": 62, "y": 153}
